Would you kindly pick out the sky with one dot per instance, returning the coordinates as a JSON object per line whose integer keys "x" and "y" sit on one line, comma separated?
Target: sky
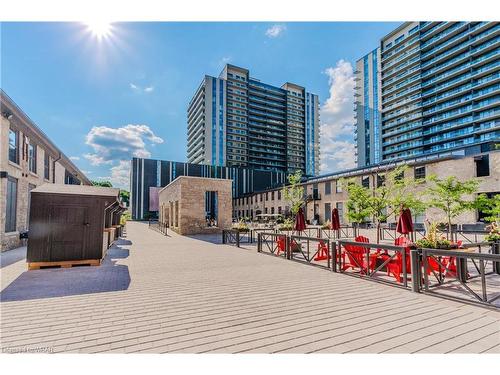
{"x": 104, "y": 99}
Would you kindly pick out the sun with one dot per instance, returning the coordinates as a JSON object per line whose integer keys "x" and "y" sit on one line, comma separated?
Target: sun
{"x": 100, "y": 29}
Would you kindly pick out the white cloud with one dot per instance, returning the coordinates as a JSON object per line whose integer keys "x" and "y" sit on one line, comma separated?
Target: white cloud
{"x": 120, "y": 174}
{"x": 116, "y": 146}
{"x": 74, "y": 158}
{"x": 140, "y": 89}
{"x": 275, "y": 31}
{"x": 113, "y": 144}
{"x": 337, "y": 120}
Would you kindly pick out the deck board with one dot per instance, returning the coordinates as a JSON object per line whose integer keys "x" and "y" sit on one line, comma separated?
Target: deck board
{"x": 160, "y": 294}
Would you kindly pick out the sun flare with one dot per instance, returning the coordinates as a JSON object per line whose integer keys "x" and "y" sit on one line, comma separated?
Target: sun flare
{"x": 99, "y": 29}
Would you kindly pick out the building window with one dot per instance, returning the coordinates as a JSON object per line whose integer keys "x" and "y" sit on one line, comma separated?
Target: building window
{"x": 261, "y": 197}
{"x": 380, "y": 180}
{"x": 267, "y": 196}
{"x": 211, "y": 208}
{"x": 328, "y": 188}
{"x": 340, "y": 208}
{"x": 14, "y": 146}
{"x": 338, "y": 187}
{"x": 32, "y": 158}
{"x": 272, "y": 196}
{"x": 272, "y": 210}
{"x": 11, "y": 207}
{"x": 419, "y": 173}
{"x": 328, "y": 211}
{"x": 482, "y": 166}
{"x": 265, "y": 210}
{"x": 279, "y": 194}
{"x": 365, "y": 181}
{"x": 279, "y": 210}
{"x": 46, "y": 166}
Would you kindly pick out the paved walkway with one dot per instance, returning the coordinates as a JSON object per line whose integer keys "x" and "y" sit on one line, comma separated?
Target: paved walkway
{"x": 177, "y": 294}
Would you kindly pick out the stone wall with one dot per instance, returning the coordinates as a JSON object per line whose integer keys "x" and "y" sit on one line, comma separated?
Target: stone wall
{"x": 182, "y": 203}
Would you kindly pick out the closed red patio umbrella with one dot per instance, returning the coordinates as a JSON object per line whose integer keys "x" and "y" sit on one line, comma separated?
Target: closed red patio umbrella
{"x": 335, "y": 219}
{"x": 300, "y": 222}
{"x": 405, "y": 222}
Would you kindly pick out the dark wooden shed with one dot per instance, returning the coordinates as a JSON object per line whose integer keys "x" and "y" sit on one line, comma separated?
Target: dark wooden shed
{"x": 67, "y": 224}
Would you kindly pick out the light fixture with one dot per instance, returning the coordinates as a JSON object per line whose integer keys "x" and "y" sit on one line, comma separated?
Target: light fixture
{"x": 7, "y": 115}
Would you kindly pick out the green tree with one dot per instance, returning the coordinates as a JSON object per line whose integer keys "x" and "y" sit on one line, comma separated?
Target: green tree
{"x": 358, "y": 202}
{"x": 450, "y": 196}
{"x": 125, "y": 197}
{"x": 294, "y": 193}
{"x": 102, "y": 183}
{"x": 397, "y": 191}
{"x": 404, "y": 192}
{"x": 489, "y": 206}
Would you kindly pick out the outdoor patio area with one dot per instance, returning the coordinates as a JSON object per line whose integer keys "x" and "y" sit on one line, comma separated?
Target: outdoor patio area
{"x": 165, "y": 294}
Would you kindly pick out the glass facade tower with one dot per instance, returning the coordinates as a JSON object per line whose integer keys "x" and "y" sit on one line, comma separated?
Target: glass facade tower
{"x": 439, "y": 90}
{"x": 237, "y": 120}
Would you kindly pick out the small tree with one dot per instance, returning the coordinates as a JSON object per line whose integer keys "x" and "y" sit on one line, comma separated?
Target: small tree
{"x": 404, "y": 192}
{"x": 125, "y": 197}
{"x": 396, "y": 192}
{"x": 294, "y": 193}
{"x": 358, "y": 202}
{"x": 102, "y": 183}
{"x": 489, "y": 206}
{"x": 449, "y": 194}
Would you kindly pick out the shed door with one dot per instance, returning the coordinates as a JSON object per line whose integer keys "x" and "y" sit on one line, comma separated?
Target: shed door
{"x": 68, "y": 232}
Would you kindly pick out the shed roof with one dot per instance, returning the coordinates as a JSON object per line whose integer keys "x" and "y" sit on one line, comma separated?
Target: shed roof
{"x": 77, "y": 190}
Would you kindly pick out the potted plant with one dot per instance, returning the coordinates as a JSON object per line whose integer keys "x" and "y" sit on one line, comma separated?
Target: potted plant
{"x": 326, "y": 225}
{"x": 287, "y": 225}
{"x": 494, "y": 233}
{"x": 241, "y": 226}
{"x": 433, "y": 239}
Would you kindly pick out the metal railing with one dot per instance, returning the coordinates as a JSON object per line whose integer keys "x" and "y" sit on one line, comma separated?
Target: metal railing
{"x": 455, "y": 275}
{"x": 387, "y": 264}
{"x": 343, "y": 232}
{"x": 158, "y": 226}
{"x": 462, "y": 271}
{"x": 234, "y": 236}
{"x": 273, "y": 244}
{"x": 308, "y": 232}
{"x": 255, "y": 231}
{"x": 391, "y": 234}
{"x": 315, "y": 251}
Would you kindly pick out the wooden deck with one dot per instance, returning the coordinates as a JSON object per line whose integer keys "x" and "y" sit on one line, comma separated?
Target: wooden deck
{"x": 162, "y": 294}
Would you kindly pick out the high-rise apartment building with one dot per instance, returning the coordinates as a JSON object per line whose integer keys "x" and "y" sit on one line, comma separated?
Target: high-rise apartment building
{"x": 237, "y": 120}
{"x": 367, "y": 112}
{"x": 439, "y": 91}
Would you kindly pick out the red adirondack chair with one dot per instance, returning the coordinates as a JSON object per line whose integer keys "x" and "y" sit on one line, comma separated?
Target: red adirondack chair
{"x": 357, "y": 256}
{"x": 395, "y": 266}
{"x": 323, "y": 253}
{"x": 280, "y": 242}
{"x": 448, "y": 262}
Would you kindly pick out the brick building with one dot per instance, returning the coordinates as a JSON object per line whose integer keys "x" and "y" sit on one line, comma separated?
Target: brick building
{"x": 28, "y": 159}
{"x": 325, "y": 192}
{"x": 192, "y": 205}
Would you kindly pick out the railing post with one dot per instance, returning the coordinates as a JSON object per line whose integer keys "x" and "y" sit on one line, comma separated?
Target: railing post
{"x": 495, "y": 249}
{"x": 287, "y": 248}
{"x": 405, "y": 271}
{"x": 415, "y": 271}
{"x": 223, "y": 236}
{"x": 259, "y": 242}
{"x": 237, "y": 238}
{"x": 334, "y": 256}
